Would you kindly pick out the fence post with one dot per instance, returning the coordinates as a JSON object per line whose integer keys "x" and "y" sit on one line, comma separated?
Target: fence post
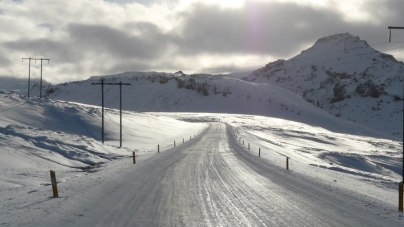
{"x": 54, "y": 185}
{"x": 400, "y": 196}
{"x": 158, "y": 148}
{"x": 287, "y": 163}
{"x": 259, "y": 152}
{"x": 134, "y": 157}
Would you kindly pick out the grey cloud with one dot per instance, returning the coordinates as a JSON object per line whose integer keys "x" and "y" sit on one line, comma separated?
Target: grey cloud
{"x": 128, "y": 66}
{"x": 56, "y": 50}
{"x": 257, "y": 28}
{"x": 272, "y": 28}
{"x": 102, "y": 39}
{"x": 4, "y": 62}
{"x": 220, "y": 69}
{"x": 47, "y": 25}
{"x": 88, "y": 45}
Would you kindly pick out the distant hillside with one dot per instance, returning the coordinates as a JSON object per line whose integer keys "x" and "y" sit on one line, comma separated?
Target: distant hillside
{"x": 346, "y": 77}
{"x": 341, "y": 84}
{"x": 163, "y": 92}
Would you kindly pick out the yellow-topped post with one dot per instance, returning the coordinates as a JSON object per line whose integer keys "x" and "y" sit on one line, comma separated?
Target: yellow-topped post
{"x": 54, "y": 185}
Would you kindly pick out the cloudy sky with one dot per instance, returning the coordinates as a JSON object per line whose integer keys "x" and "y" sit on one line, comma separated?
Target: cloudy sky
{"x": 94, "y": 37}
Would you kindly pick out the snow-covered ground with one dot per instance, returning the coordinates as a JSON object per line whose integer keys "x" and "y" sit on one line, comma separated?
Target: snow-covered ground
{"x": 364, "y": 164}
{"x": 359, "y": 151}
{"x": 41, "y": 135}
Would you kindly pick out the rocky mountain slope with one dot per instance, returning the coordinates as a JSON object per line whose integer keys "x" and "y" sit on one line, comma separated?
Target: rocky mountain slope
{"x": 346, "y": 77}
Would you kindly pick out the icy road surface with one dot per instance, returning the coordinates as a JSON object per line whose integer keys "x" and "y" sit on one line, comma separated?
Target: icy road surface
{"x": 212, "y": 181}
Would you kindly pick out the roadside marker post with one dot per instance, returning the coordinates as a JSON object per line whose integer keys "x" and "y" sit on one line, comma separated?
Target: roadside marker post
{"x": 134, "y": 157}
{"x": 248, "y": 146}
{"x": 400, "y": 196}
{"x": 54, "y": 185}
{"x": 174, "y": 143}
{"x": 183, "y": 141}
{"x": 287, "y": 163}
{"x": 243, "y": 142}
{"x": 259, "y": 152}
{"x": 158, "y": 148}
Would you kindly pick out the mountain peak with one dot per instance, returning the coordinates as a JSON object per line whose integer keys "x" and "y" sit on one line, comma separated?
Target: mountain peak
{"x": 343, "y": 42}
{"x": 338, "y": 38}
{"x": 344, "y": 76}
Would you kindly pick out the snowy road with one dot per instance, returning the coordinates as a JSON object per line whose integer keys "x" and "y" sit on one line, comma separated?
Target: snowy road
{"x": 211, "y": 181}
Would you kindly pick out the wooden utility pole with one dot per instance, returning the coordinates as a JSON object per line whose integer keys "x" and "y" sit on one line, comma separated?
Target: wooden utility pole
{"x": 393, "y": 27}
{"x": 40, "y": 83}
{"x": 400, "y": 187}
{"x": 29, "y": 73}
{"x": 120, "y": 106}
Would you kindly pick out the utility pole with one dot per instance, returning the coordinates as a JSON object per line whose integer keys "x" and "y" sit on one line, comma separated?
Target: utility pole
{"x": 393, "y": 27}
{"x": 401, "y": 185}
{"x": 29, "y": 72}
{"x": 40, "y": 86}
{"x": 120, "y": 106}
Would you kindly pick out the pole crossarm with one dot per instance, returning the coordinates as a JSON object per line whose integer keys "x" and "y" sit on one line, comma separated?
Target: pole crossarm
{"x": 45, "y": 59}
{"x": 393, "y": 27}
{"x": 111, "y": 83}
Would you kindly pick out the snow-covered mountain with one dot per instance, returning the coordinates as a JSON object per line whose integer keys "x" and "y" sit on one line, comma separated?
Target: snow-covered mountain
{"x": 339, "y": 79}
{"x": 327, "y": 151}
{"x": 162, "y": 92}
{"x": 346, "y": 77}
